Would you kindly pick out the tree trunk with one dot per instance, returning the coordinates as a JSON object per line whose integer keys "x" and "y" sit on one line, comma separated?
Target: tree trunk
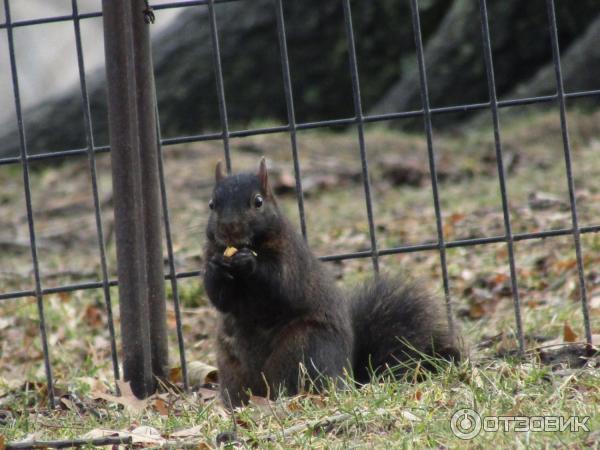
{"x": 580, "y": 67}
{"x": 454, "y": 55}
{"x": 252, "y": 73}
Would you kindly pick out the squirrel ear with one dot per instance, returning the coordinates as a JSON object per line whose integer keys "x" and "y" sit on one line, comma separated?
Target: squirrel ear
{"x": 263, "y": 176}
{"x": 219, "y": 174}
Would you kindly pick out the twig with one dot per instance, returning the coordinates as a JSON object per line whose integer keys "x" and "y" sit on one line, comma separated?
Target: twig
{"x": 574, "y": 344}
{"x": 67, "y": 443}
{"x": 8, "y": 244}
{"x": 320, "y": 423}
{"x": 178, "y": 445}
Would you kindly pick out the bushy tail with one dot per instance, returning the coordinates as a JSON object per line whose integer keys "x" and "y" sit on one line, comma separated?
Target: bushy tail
{"x": 395, "y": 323}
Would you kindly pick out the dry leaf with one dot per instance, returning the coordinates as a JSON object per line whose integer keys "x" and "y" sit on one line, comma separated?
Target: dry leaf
{"x": 410, "y": 416}
{"x": 207, "y": 394}
{"x": 568, "y": 334}
{"x": 476, "y": 311}
{"x": 98, "y": 433}
{"x": 93, "y": 316}
{"x": 201, "y": 373}
{"x": 296, "y": 403}
{"x": 175, "y": 375}
{"x": 188, "y": 432}
{"x": 139, "y": 435}
{"x": 64, "y": 296}
{"x": 2, "y": 442}
{"x": 68, "y": 404}
{"x": 128, "y": 399}
{"x": 161, "y": 406}
{"x": 501, "y": 278}
{"x": 94, "y": 384}
{"x": 146, "y": 435}
{"x": 262, "y": 405}
{"x": 418, "y": 395}
{"x": 545, "y": 201}
{"x": 565, "y": 265}
{"x": 6, "y": 322}
{"x": 476, "y": 379}
{"x": 594, "y": 301}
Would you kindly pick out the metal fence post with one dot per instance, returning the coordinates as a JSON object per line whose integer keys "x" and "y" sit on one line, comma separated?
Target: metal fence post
{"x": 148, "y": 139}
{"x": 132, "y": 136}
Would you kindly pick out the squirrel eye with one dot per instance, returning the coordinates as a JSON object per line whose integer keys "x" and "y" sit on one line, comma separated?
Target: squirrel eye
{"x": 211, "y": 204}
{"x": 258, "y": 201}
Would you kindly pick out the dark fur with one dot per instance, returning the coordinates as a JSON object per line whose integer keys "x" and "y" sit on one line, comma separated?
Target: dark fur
{"x": 281, "y": 308}
{"x": 395, "y": 322}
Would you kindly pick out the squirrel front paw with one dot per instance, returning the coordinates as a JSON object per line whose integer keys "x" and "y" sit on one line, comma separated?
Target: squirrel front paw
{"x": 241, "y": 264}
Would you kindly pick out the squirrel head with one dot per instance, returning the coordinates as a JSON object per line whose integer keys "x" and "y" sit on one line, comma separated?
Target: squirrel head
{"x": 244, "y": 212}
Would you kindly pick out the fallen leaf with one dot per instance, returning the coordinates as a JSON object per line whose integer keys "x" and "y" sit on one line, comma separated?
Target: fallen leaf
{"x": 128, "y": 399}
{"x": 6, "y": 322}
{"x": 64, "y": 296}
{"x": 410, "y": 416}
{"x": 402, "y": 171}
{"x": 476, "y": 311}
{"x": 568, "y": 334}
{"x": 418, "y": 395}
{"x": 140, "y": 435}
{"x": 262, "y": 407}
{"x": 175, "y": 375}
{"x": 544, "y": 201}
{"x": 69, "y": 404}
{"x": 94, "y": 384}
{"x": 297, "y": 403}
{"x": 207, "y": 394}
{"x": 94, "y": 316}
{"x": 259, "y": 401}
{"x": 565, "y": 264}
{"x": 594, "y": 301}
{"x": 146, "y": 435}
{"x": 161, "y": 406}
{"x": 98, "y": 433}
{"x": 188, "y": 432}
{"x": 2, "y": 442}
{"x": 200, "y": 373}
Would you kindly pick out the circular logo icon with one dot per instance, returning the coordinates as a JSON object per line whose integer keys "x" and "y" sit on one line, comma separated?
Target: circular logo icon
{"x": 465, "y": 423}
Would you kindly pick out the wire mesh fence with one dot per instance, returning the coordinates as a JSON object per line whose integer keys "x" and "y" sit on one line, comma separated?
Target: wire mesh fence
{"x": 358, "y": 121}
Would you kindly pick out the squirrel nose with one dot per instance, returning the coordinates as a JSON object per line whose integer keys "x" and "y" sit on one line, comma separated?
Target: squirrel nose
{"x": 232, "y": 232}
{"x": 228, "y": 226}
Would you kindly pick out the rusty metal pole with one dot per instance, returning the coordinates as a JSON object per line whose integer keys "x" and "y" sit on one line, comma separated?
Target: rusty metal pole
{"x": 128, "y": 197}
{"x": 146, "y": 107}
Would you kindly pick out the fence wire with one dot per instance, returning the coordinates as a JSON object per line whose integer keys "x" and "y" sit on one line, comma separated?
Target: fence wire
{"x": 358, "y": 120}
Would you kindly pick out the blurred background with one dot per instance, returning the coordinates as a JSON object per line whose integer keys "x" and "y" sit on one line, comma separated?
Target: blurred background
{"x": 321, "y": 82}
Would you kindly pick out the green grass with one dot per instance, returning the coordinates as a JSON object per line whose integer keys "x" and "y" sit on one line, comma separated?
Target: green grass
{"x": 403, "y": 414}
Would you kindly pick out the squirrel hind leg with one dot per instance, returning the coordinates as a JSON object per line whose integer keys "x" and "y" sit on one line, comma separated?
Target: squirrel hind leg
{"x": 398, "y": 324}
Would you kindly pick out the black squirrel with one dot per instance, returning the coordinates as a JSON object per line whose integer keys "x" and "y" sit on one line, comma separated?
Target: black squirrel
{"x": 280, "y": 309}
